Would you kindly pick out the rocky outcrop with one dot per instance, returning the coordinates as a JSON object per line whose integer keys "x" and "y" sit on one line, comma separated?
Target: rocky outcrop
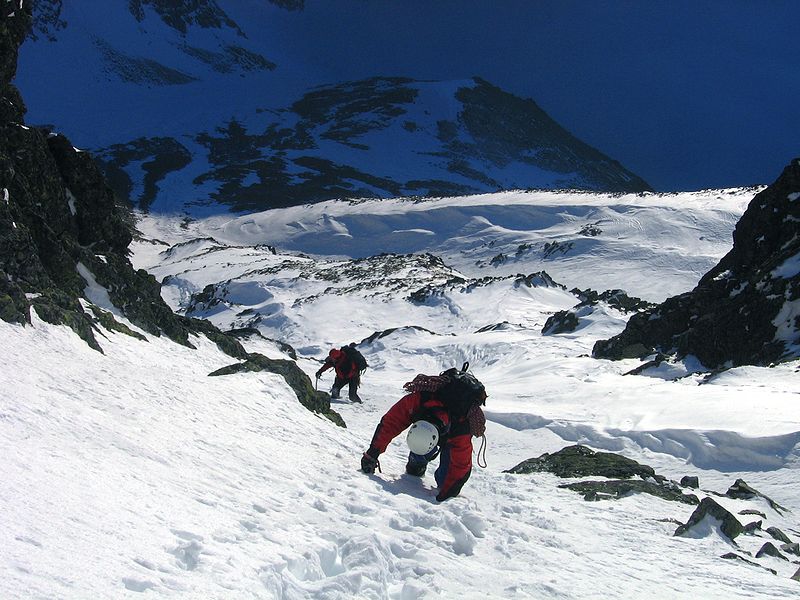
{"x": 740, "y": 490}
{"x": 581, "y": 461}
{"x": 325, "y": 145}
{"x": 63, "y": 238}
{"x": 746, "y": 310}
{"x": 625, "y": 476}
{"x": 707, "y": 515}
{"x": 615, "y": 489}
{"x": 563, "y": 321}
{"x": 313, "y": 400}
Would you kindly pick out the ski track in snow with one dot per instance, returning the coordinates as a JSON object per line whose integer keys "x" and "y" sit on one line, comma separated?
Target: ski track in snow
{"x": 132, "y": 474}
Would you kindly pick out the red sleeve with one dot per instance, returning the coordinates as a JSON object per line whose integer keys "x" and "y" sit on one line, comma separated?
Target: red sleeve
{"x": 395, "y": 421}
{"x": 326, "y": 365}
{"x": 459, "y": 466}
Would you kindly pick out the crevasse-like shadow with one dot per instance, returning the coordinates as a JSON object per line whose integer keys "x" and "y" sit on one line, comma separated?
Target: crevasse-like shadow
{"x": 719, "y": 450}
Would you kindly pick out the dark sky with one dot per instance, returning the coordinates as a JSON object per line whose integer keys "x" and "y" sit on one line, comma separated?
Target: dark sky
{"x": 687, "y": 94}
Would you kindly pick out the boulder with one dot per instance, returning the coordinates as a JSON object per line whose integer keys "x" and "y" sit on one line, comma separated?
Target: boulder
{"x": 728, "y": 524}
{"x": 581, "y": 461}
{"x": 564, "y": 321}
{"x": 769, "y": 549}
{"x": 793, "y": 548}
{"x": 741, "y": 491}
{"x": 690, "y": 481}
{"x": 778, "y": 535}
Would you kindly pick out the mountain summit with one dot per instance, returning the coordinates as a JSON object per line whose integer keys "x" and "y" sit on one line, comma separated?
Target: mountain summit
{"x": 186, "y": 109}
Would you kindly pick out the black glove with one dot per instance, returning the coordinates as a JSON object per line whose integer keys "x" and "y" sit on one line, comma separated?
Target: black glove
{"x": 369, "y": 461}
{"x": 319, "y": 373}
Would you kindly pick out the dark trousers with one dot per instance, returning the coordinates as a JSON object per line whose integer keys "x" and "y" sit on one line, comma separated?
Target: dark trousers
{"x": 352, "y": 391}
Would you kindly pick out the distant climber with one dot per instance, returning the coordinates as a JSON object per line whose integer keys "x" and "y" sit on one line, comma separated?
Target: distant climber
{"x": 444, "y": 413}
{"x": 348, "y": 364}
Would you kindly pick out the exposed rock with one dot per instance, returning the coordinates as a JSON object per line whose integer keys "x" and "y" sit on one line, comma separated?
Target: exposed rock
{"x": 580, "y": 461}
{"x": 63, "y": 238}
{"x": 793, "y": 548}
{"x": 249, "y": 332}
{"x": 769, "y": 549}
{"x": 304, "y": 153}
{"x": 752, "y": 511}
{"x": 182, "y": 14}
{"x": 734, "y": 556}
{"x": 386, "y": 332}
{"x": 615, "y": 298}
{"x": 433, "y": 293}
{"x": 614, "y": 489}
{"x": 741, "y": 491}
{"x": 796, "y": 576}
{"x": 563, "y": 321}
{"x": 690, "y": 481}
{"x": 752, "y": 527}
{"x": 743, "y": 310}
{"x": 709, "y": 509}
{"x": 778, "y": 535}
{"x": 313, "y": 400}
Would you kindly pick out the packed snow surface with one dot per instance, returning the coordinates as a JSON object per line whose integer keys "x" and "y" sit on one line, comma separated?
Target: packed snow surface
{"x": 133, "y": 474}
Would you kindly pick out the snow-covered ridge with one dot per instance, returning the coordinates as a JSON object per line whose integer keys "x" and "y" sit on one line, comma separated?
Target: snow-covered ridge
{"x": 581, "y": 239}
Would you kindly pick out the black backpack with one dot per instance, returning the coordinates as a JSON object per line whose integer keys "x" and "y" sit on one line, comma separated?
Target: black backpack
{"x": 461, "y": 392}
{"x": 356, "y": 358}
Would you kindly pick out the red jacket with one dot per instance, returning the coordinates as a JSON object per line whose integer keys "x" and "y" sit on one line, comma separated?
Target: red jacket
{"x": 345, "y": 368}
{"x": 455, "y": 438}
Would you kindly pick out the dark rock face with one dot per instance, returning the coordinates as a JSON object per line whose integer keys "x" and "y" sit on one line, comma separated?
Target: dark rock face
{"x": 615, "y": 298}
{"x": 61, "y": 231}
{"x": 743, "y": 311}
{"x": 306, "y": 154}
{"x": 729, "y": 524}
{"x": 564, "y": 321}
{"x": 778, "y": 535}
{"x": 182, "y": 14}
{"x": 313, "y": 400}
{"x": 504, "y": 128}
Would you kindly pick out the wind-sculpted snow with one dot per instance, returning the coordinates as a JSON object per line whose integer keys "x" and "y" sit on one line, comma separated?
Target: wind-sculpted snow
{"x": 680, "y": 235}
{"x": 136, "y": 472}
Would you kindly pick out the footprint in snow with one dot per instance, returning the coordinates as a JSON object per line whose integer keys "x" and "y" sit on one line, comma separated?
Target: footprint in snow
{"x": 137, "y": 585}
{"x": 463, "y": 541}
{"x": 188, "y": 554}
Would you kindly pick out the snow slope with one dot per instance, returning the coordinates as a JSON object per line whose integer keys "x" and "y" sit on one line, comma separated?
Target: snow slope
{"x": 133, "y": 473}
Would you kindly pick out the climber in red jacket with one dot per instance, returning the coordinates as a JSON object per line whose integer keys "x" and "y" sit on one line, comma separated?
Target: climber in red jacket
{"x": 344, "y": 364}
{"x": 455, "y": 424}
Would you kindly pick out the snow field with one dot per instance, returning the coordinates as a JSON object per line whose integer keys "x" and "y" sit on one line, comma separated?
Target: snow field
{"x": 133, "y": 472}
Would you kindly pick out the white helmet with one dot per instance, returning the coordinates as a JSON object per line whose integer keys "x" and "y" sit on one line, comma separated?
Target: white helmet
{"x": 422, "y": 437}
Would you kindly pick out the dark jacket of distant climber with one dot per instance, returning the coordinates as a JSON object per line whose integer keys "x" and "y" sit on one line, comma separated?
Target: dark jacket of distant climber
{"x": 347, "y": 373}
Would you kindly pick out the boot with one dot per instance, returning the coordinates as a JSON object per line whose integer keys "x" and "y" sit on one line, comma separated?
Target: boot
{"x": 417, "y": 469}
